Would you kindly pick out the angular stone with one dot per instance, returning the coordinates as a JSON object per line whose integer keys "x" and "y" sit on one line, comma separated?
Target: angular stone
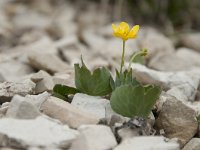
{"x": 191, "y": 40}
{"x": 37, "y": 100}
{"x": 147, "y": 143}
{"x": 64, "y": 78}
{"x": 94, "y": 137}
{"x": 20, "y": 108}
{"x": 167, "y": 61}
{"x": 189, "y": 56}
{"x": 36, "y": 20}
{"x": 193, "y": 144}
{"x": 154, "y": 41}
{"x": 183, "y": 85}
{"x": 43, "y": 45}
{"x": 40, "y": 132}
{"x": 48, "y": 62}
{"x": 91, "y": 104}
{"x": 13, "y": 70}
{"x": 40, "y": 75}
{"x": 3, "y": 109}
{"x": 177, "y": 120}
{"x": 9, "y": 89}
{"x": 67, "y": 113}
{"x": 43, "y": 81}
{"x": 136, "y": 126}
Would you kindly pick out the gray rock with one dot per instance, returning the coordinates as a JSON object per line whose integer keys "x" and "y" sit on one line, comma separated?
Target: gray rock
{"x": 91, "y": 104}
{"x": 191, "y": 40}
{"x": 20, "y": 108}
{"x": 36, "y": 19}
{"x": 189, "y": 56}
{"x": 154, "y": 41}
{"x": 64, "y": 78}
{"x": 40, "y": 75}
{"x": 48, "y": 62}
{"x": 67, "y": 113}
{"x": 148, "y": 143}
{"x": 182, "y": 85}
{"x": 43, "y": 45}
{"x": 40, "y": 132}
{"x": 69, "y": 42}
{"x": 136, "y": 126}
{"x": 193, "y": 144}
{"x": 177, "y": 120}
{"x": 37, "y": 100}
{"x": 167, "y": 61}
{"x": 9, "y": 89}
{"x": 94, "y": 137}
{"x": 3, "y": 109}
{"x": 13, "y": 70}
{"x": 43, "y": 81}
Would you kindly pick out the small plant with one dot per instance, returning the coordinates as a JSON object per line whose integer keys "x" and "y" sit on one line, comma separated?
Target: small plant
{"x": 198, "y": 121}
{"x": 128, "y": 97}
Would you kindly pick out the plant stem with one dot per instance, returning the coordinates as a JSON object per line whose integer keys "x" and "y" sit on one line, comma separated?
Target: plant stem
{"x": 132, "y": 58}
{"x": 122, "y": 59}
{"x": 142, "y": 52}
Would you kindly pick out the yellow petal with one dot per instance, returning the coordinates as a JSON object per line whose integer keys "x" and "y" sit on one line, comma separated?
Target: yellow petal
{"x": 134, "y": 31}
{"x": 114, "y": 28}
{"x": 124, "y": 28}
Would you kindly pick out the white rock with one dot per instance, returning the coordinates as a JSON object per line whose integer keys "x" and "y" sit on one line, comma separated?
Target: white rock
{"x": 41, "y": 45}
{"x": 64, "y": 78}
{"x": 148, "y": 143}
{"x": 167, "y": 61}
{"x": 191, "y": 40}
{"x": 177, "y": 120}
{"x": 193, "y": 144}
{"x": 94, "y": 137}
{"x": 48, "y": 62}
{"x": 73, "y": 52}
{"x": 66, "y": 41}
{"x": 189, "y": 56}
{"x": 37, "y": 100}
{"x": 154, "y": 41}
{"x": 35, "y": 20}
{"x": 91, "y": 104}
{"x": 182, "y": 85}
{"x": 3, "y": 109}
{"x": 40, "y": 132}
{"x": 20, "y": 108}
{"x": 13, "y": 70}
{"x": 43, "y": 81}
{"x": 9, "y": 89}
{"x": 67, "y": 113}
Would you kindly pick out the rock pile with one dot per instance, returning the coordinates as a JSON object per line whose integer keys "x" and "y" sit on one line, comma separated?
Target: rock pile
{"x": 39, "y": 43}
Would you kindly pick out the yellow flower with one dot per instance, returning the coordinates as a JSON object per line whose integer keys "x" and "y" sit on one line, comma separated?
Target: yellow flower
{"x": 123, "y": 31}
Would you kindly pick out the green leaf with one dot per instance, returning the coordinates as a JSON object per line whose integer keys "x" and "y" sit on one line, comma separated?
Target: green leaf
{"x": 96, "y": 83}
{"x": 131, "y": 101}
{"x": 125, "y": 78}
{"x": 198, "y": 118}
{"x": 139, "y": 59}
{"x": 62, "y": 91}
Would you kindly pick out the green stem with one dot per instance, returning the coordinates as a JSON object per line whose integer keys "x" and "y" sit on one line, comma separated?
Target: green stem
{"x": 132, "y": 58}
{"x": 122, "y": 60}
{"x": 142, "y": 52}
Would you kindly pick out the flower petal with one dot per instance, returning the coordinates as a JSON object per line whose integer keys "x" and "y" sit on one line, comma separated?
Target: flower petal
{"x": 134, "y": 31}
{"x": 114, "y": 28}
{"x": 124, "y": 28}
